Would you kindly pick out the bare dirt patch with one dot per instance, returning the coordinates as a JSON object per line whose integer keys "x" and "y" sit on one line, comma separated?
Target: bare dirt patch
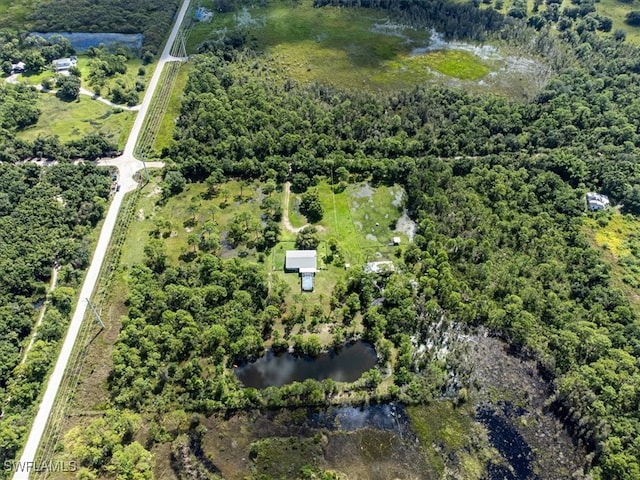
{"x": 364, "y": 191}
{"x": 406, "y": 225}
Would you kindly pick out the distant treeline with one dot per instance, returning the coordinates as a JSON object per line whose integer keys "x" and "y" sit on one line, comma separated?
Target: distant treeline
{"x": 454, "y": 19}
{"x": 152, "y": 18}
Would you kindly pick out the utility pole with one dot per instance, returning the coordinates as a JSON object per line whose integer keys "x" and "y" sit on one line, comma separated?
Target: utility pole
{"x": 184, "y": 46}
{"x": 98, "y": 319}
{"x": 144, "y": 165}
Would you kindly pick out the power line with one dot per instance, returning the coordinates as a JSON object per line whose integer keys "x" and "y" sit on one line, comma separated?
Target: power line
{"x": 98, "y": 319}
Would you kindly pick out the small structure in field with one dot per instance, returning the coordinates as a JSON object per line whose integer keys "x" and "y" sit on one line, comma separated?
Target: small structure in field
{"x": 597, "y": 201}
{"x": 305, "y": 262}
{"x": 396, "y": 241}
{"x": 18, "y": 67}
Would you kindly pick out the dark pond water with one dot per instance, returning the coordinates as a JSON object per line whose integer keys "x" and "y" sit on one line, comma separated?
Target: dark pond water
{"x": 390, "y": 417}
{"x": 274, "y": 370}
{"x": 511, "y": 445}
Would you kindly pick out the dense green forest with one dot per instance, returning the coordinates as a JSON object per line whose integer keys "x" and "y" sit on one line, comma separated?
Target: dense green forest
{"x": 46, "y": 217}
{"x": 151, "y": 18}
{"x": 496, "y": 187}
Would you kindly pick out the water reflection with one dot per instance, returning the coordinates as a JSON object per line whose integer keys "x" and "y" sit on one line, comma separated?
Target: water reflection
{"x": 276, "y": 370}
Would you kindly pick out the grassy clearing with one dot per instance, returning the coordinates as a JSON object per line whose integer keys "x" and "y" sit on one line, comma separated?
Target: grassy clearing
{"x": 618, "y": 11}
{"x": 72, "y": 120}
{"x": 165, "y": 131}
{"x": 361, "y": 219}
{"x": 453, "y": 434}
{"x": 458, "y": 64}
{"x": 615, "y": 232}
{"x": 186, "y": 213}
{"x": 617, "y": 236}
{"x": 352, "y": 48}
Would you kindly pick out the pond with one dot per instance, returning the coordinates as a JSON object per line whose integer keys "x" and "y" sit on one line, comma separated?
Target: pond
{"x": 345, "y": 365}
{"x": 511, "y": 445}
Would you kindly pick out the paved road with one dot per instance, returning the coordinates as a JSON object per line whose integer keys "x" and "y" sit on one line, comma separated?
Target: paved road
{"x": 128, "y": 166}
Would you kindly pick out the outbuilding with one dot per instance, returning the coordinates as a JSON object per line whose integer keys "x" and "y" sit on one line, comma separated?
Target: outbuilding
{"x": 305, "y": 262}
{"x": 597, "y": 201}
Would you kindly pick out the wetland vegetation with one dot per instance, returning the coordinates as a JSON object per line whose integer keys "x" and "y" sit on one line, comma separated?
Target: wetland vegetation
{"x": 502, "y": 336}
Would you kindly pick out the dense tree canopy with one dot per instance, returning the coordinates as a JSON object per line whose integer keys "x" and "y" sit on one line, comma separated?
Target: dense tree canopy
{"x": 149, "y": 17}
{"x": 45, "y": 216}
{"x": 496, "y": 187}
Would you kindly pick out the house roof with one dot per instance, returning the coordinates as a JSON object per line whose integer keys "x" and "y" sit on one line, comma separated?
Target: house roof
{"x": 301, "y": 260}
{"x": 597, "y": 201}
{"x": 64, "y": 62}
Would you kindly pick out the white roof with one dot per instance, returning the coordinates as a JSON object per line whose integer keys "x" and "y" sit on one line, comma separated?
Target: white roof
{"x": 597, "y": 201}
{"x": 301, "y": 260}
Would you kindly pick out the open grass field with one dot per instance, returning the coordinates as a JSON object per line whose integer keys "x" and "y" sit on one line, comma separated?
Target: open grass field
{"x": 618, "y": 10}
{"x": 362, "y": 219}
{"x": 165, "y": 130}
{"x": 72, "y": 120}
{"x": 351, "y": 48}
{"x": 186, "y": 213}
{"x": 617, "y": 236}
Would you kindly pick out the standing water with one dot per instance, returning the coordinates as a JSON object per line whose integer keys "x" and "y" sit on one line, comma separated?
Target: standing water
{"x": 273, "y": 370}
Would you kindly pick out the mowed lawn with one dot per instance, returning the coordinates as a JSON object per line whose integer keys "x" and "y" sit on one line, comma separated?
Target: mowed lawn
{"x": 349, "y": 47}
{"x": 362, "y": 219}
{"x": 72, "y": 120}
